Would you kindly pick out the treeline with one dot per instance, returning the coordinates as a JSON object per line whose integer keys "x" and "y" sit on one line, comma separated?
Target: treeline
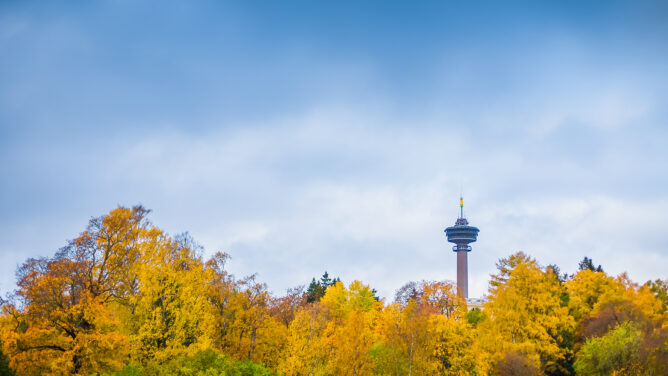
{"x": 125, "y": 298}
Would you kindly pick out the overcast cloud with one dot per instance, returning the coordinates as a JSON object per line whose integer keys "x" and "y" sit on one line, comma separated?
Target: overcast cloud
{"x": 303, "y": 137}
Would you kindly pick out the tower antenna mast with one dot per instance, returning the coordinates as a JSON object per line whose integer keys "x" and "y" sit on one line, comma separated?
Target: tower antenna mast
{"x": 461, "y": 199}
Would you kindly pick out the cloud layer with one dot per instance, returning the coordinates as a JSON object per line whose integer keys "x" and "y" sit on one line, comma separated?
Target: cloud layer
{"x": 322, "y": 139}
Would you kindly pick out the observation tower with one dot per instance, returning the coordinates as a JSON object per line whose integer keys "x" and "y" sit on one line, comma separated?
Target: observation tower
{"x": 462, "y": 234}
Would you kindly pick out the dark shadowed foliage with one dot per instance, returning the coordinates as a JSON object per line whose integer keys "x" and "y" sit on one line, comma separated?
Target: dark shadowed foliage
{"x": 516, "y": 364}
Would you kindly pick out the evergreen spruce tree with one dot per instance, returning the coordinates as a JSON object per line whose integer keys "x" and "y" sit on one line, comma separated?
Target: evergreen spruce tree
{"x": 588, "y": 264}
{"x": 317, "y": 289}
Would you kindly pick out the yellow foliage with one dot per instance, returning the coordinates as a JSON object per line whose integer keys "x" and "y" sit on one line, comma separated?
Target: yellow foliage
{"x": 126, "y": 292}
{"x": 416, "y": 341}
{"x": 171, "y": 314}
{"x": 350, "y": 333}
{"x": 589, "y": 289}
{"x": 527, "y": 315}
{"x": 456, "y": 348}
{"x": 341, "y": 300}
{"x": 443, "y": 298}
{"x": 306, "y": 351}
{"x": 406, "y": 345}
{"x": 248, "y": 317}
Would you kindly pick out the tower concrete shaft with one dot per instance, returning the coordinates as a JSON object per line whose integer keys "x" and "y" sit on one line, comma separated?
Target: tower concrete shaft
{"x": 462, "y": 274}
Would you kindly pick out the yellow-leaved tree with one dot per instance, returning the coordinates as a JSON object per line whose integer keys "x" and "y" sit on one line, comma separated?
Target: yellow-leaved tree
{"x": 171, "y": 315}
{"x": 306, "y": 351}
{"x": 405, "y": 343}
{"x": 350, "y": 333}
{"x": 588, "y": 289}
{"x": 425, "y": 333}
{"x": 252, "y": 333}
{"x": 456, "y": 347}
{"x": 528, "y": 315}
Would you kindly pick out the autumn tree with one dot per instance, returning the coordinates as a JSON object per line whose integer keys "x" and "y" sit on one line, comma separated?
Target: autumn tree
{"x": 588, "y": 289}
{"x": 221, "y": 292}
{"x": 527, "y": 315}
{"x": 123, "y": 290}
{"x": 614, "y": 353}
{"x": 505, "y": 266}
{"x": 457, "y": 349}
{"x": 350, "y": 334}
{"x": 515, "y": 364}
{"x": 425, "y": 333}
{"x": 307, "y": 351}
{"x": 253, "y": 334}
{"x": 443, "y": 299}
{"x": 171, "y": 313}
{"x": 660, "y": 289}
{"x": 624, "y": 329}
{"x": 438, "y": 296}
{"x": 590, "y": 292}
{"x": 249, "y": 313}
{"x": 285, "y": 308}
{"x": 653, "y": 353}
{"x": 64, "y": 320}
{"x": 410, "y": 291}
{"x": 406, "y": 345}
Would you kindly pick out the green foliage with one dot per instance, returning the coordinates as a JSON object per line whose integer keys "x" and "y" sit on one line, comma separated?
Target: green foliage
{"x": 616, "y": 351}
{"x": 386, "y": 359}
{"x": 660, "y": 289}
{"x": 316, "y": 289}
{"x": 248, "y": 368}
{"x": 203, "y": 363}
{"x": 475, "y": 317}
{"x": 129, "y": 370}
{"x": 588, "y": 264}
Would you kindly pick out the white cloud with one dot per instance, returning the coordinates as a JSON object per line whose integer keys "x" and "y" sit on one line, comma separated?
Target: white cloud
{"x": 558, "y": 144}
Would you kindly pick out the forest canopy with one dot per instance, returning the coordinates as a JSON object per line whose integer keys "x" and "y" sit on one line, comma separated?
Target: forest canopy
{"x": 126, "y": 298}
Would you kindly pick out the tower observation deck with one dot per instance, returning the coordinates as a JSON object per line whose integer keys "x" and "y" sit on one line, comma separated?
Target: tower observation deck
{"x": 462, "y": 235}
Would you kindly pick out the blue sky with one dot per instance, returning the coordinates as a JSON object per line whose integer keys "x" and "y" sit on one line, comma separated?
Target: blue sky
{"x": 309, "y": 136}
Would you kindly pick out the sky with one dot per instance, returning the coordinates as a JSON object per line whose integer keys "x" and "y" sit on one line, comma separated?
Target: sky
{"x": 303, "y": 137}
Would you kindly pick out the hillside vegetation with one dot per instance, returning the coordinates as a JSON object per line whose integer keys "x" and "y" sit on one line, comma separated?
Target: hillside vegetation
{"x": 125, "y": 298}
